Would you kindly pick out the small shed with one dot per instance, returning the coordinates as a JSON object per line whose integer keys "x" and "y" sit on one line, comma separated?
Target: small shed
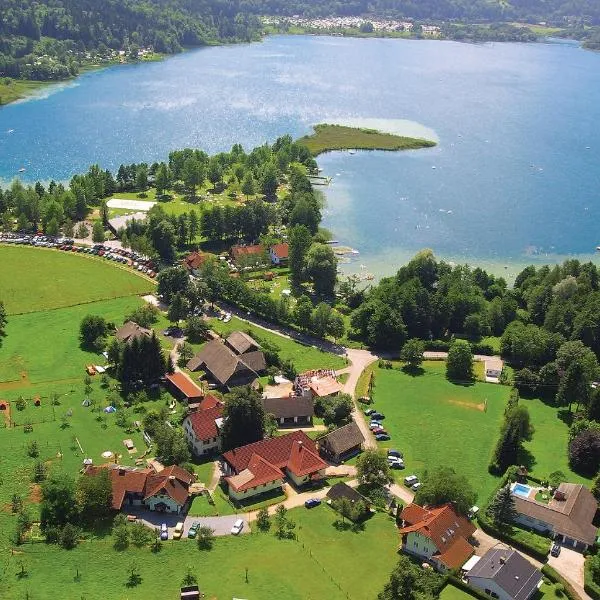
{"x": 190, "y": 592}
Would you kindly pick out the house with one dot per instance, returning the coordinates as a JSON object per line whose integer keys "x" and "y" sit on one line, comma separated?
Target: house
{"x": 131, "y": 330}
{"x": 503, "y": 573}
{"x": 320, "y": 383}
{"x": 262, "y": 466}
{"x": 166, "y": 490}
{"x": 436, "y": 534}
{"x": 248, "y": 254}
{"x": 224, "y": 367}
{"x": 342, "y": 443}
{"x": 241, "y": 343}
{"x": 279, "y": 253}
{"x": 202, "y": 428}
{"x": 183, "y": 388}
{"x": 194, "y": 261}
{"x": 567, "y": 517}
{"x": 342, "y": 490}
{"x": 295, "y": 411}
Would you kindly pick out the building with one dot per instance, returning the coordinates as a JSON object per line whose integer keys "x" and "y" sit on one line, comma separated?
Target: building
{"x": 248, "y": 254}
{"x": 202, "y": 428}
{"x": 293, "y": 411}
{"x": 241, "y": 343}
{"x": 320, "y": 383}
{"x": 194, "y": 261}
{"x": 567, "y": 517}
{"x": 503, "y": 573}
{"x": 342, "y": 490}
{"x": 263, "y": 466}
{"x": 183, "y": 388}
{"x": 438, "y": 535}
{"x": 224, "y": 367}
{"x": 162, "y": 491}
{"x": 342, "y": 443}
{"x": 131, "y": 330}
{"x": 279, "y": 253}
{"x": 493, "y": 368}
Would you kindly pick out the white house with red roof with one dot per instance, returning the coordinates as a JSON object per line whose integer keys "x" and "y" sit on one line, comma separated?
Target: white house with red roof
{"x": 279, "y": 253}
{"x": 202, "y": 427}
{"x": 437, "y": 534}
{"x": 263, "y": 466}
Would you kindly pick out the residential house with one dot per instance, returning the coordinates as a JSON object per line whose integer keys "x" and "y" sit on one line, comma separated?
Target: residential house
{"x": 183, "y": 388}
{"x": 503, "y": 573}
{"x": 224, "y": 367}
{"x": 567, "y": 517}
{"x": 194, "y": 261}
{"x": 166, "y": 490}
{"x": 241, "y": 343}
{"x": 202, "y": 427}
{"x": 342, "y": 490}
{"x": 293, "y": 411}
{"x": 437, "y": 534}
{"x": 262, "y": 466}
{"x": 279, "y": 253}
{"x": 131, "y": 330}
{"x": 342, "y": 443}
{"x": 321, "y": 383}
{"x": 247, "y": 255}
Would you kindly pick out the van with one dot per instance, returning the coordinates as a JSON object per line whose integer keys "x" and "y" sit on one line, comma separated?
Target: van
{"x": 410, "y": 480}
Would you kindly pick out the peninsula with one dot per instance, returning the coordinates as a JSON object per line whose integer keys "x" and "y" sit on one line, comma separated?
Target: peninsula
{"x": 327, "y": 137}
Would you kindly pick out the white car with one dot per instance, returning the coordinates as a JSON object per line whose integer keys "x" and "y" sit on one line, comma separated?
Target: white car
{"x": 237, "y": 527}
{"x": 416, "y": 486}
{"x": 227, "y": 318}
{"x": 411, "y": 480}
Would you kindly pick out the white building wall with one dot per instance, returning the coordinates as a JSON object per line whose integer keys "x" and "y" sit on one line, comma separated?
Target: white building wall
{"x": 172, "y": 506}
{"x": 419, "y": 545}
{"x": 261, "y": 489}
{"x": 200, "y": 447}
{"x": 495, "y": 591}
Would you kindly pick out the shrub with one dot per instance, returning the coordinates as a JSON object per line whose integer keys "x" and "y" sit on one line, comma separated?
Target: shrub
{"x": 584, "y": 452}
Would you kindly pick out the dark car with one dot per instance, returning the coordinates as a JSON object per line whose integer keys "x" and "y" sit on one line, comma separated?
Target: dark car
{"x": 377, "y": 416}
{"x": 312, "y": 502}
{"x": 369, "y": 411}
{"x": 382, "y": 437}
{"x": 555, "y": 550}
{"x": 396, "y": 453}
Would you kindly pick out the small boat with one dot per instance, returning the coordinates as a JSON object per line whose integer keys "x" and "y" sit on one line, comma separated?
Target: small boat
{"x": 22, "y": 170}
{"x": 10, "y": 131}
{"x": 332, "y": 242}
{"x": 598, "y": 248}
{"x": 434, "y": 167}
{"x": 351, "y": 151}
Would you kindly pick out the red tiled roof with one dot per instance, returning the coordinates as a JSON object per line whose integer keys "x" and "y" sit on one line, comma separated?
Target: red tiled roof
{"x": 281, "y": 250}
{"x": 258, "y": 472}
{"x": 183, "y": 383}
{"x": 282, "y": 452}
{"x": 169, "y": 486}
{"x": 176, "y": 471}
{"x": 203, "y": 421}
{"x": 210, "y": 401}
{"x": 195, "y": 260}
{"x": 237, "y": 251}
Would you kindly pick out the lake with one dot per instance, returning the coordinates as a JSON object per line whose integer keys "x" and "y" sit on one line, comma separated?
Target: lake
{"x": 515, "y": 177}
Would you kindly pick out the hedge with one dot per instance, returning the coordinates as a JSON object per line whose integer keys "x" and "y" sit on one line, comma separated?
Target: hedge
{"x": 443, "y": 346}
{"x": 591, "y": 588}
{"x": 465, "y": 587}
{"x": 554, "y": 576}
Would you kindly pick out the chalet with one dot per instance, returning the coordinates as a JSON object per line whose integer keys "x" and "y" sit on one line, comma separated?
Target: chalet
{"x": 194, "y": 261}
{"x": 279, "y": 253}
{"x": 567, "y": 517}
{"x": 294, "y": 411}
{"x": 202, "y": 428}
{"x": 183, "y": 388}
{"x": 263, "y": 466}
{"x": 166, "y": 490}
{"x": 130, "y": 330}
{"x": 342, "y": 443}
{"x": 503, "y": 573}
{"x": 438, "y": 535}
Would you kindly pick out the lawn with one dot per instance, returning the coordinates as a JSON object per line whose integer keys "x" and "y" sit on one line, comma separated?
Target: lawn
{"x": 453, "y": 593}
{"x": 321, "y": 564}
{"x": 438, "y": 423}
{"x": 35, "y": 279}
{"x": 202, "y": 508}
{"x": 303, "y": 357}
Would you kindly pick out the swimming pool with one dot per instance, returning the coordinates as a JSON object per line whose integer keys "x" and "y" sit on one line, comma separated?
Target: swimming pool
{"x": 520, "y": 489}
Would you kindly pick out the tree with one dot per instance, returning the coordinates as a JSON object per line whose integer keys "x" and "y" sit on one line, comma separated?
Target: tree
{"x": 244, "y": 418}
{"x": 574, "y": 386}
{"x": 189, "y": 578}
{"x": 321, "y": 268}
{"x": 502, "y": 509}
{"x": 412, "y": 353}
{"x": 171, "y": 281}
{"x": 94, "y": 495}
{"x": 92, "y": 331}
{"x": 268, "y": 181}
{"x": 300, "y": 241}
{"x": 459, "y": 366}
{"x": 409, "y": 581}
{"x": 445, "y": 485}
{"x": 171, "y": 445}
{"x": 145, "y": 316}
{"x": 205, "y": 537}
{"x": 372, "y": 468}
{"x": 161, "y": 180}
{"x": 556, "y": 478}
{"x": 248, "y": 185}
{"x": 98, "y": 232}
{"x": 82, "y": 231}
{"x": 515, "y": 429}
{"x": 33, "y": 450}
{"x": 335, "y": 410}
{"x": 178, "y": 308}
{"x": 121, "y": 537}
{"x": 163, "y": 240}
{"x": 263, "y": 522}
{"x": 320, "y": 318}
{"x": 58, "y": 506}
{"x": 69, "y": 536}
{"x": 584, "y": 452}
{"x": 196, "y": 329}
{"x": 284, "y": 527}
{"x": 596, "y": 487}
{"x": 2, "y": 322}
{"x": 39, "y": 472}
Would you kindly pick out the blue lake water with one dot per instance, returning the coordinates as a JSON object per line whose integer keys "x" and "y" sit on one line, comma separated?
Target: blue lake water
{"x": 515, "y": 177}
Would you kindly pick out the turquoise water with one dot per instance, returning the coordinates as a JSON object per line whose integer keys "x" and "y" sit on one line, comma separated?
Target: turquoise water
{"x": 515, "y": 177}
{"x": 521, "y": 490}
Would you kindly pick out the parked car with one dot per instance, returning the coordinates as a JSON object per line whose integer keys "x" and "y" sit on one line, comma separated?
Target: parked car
{"x": 397, "y": 453}
{"x": 369, "y": 411}
{"x": 382, "y": 437}
{"x": 193, "y": 530}
{"x": 416, "y": 486}
{"x": 178, "y": 532}
{"x": 473, "y": 512}
{"x": 555, "y": 550}
{"x": 227, "y": 318}
{"x": 164, "y": 532}
{"x": 395, "y": 462}
{"x": 312, "y": 502}
{"x": 237, "y": 527}
{"x": 377, "y": 415}
{"x": 375, "y": 424}
{"x": 410, "y": 480}
{"x": 379, "y": 431}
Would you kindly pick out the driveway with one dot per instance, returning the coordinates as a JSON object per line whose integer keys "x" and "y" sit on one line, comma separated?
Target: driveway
{"x": 570, "y": 564}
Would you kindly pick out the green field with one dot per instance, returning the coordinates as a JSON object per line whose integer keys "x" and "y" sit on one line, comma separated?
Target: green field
{"x": 452, "y": 593}
{"x": 340, "y": 137}
{"x": 35, "y": 279}
{"x": 438, "y": 423}
{"x": 15, "y": 89}
{"x": 303, "y": 357}
{"x": 321, "y": 564}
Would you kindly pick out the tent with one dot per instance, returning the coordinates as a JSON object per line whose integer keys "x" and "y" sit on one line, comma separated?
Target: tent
{"x": 86, "y": 402}
{"x": 110, "y": 409}
{"x": 87, "y": 461}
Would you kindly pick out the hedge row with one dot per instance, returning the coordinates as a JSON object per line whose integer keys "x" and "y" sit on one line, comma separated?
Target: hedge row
{"x": 554, "y": 576}
{"x": 591, "y": 588}
{"x": 442, "y": 346}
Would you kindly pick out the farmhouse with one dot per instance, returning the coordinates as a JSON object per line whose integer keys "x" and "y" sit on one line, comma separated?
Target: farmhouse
{"x": 295, "y": 411}
{"x": 192, "y": 262}
{"x": 567, "y": 517}
{"x": 163, "y": 491}
{"x": 130, "y": 330}
{"x": 438, "y": 535}
{"x": 342, "y": 443}
{"x": 279, "y": 253}
{"x": 262, "y": 466}
{"x": 247, "y": 253}
{"x": 183, "y": 388}
{"x": 503, "y": 573}
{"x": 202, "y": 428}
